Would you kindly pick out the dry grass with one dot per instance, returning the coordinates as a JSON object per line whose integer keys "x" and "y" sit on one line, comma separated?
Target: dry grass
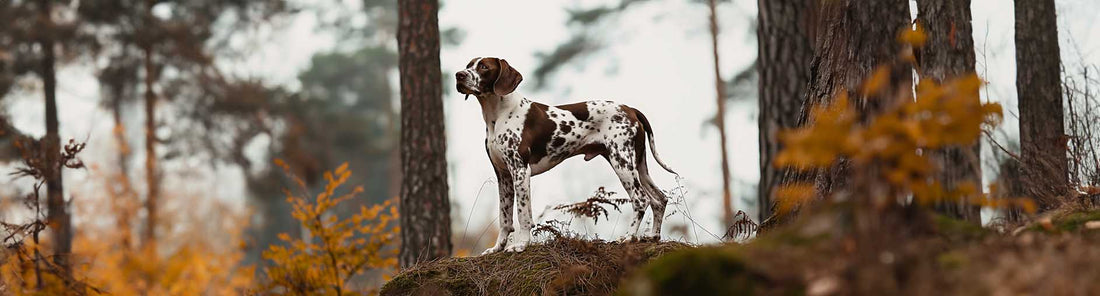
{"x": 563, "y": 266}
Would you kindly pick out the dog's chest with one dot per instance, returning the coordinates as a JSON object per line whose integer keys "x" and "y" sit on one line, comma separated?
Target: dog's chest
{"x": 503, "y": 136}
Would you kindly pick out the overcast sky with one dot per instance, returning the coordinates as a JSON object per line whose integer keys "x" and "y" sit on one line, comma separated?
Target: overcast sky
{"x": 657, "y": 59}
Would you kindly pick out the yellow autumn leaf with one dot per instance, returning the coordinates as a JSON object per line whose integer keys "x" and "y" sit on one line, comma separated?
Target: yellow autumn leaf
{"x": 878, "y": 79}
{"x": 915, "y": 37}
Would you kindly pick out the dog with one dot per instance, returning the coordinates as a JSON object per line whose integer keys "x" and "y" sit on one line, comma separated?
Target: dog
{"x": 525, "y": 138}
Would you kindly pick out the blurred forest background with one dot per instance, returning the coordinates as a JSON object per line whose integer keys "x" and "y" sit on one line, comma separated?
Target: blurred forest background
{"x": 300, "y": 147}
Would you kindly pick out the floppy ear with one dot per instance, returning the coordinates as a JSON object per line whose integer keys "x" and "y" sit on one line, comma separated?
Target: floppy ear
{"x": 507, "y": 79}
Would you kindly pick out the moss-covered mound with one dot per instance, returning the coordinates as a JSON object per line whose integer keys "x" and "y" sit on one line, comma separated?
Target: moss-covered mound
{"x": 820, "y": 256}
{"x": 559, "y": 267}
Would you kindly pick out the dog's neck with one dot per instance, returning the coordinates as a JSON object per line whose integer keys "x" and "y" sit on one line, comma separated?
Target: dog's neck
{"x": 494, "y": 106}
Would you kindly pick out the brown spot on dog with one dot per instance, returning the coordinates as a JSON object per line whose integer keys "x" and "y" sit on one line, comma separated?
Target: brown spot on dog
{"x": 558, "y": 142}
{"x": 639, "y": 121}
{"x": 579, "y": 110}
{"x": 537, "y": 131}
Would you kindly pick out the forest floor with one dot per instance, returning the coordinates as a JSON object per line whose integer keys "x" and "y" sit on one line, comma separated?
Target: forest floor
{"x": 1055, "y": 254}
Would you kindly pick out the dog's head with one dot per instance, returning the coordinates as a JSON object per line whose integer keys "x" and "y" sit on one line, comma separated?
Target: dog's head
{"x": 484, "y": 76}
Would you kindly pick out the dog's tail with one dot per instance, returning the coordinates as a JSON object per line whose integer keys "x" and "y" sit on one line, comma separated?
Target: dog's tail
{"x": 652, "y": 143}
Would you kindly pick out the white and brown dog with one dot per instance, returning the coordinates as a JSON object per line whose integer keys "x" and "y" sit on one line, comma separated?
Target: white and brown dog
{"x": 525, "y": 138}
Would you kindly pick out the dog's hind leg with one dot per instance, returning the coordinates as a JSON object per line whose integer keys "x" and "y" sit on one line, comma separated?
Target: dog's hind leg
{"x": 657, "y": 201}
{"x": 507, "y": 197}
{"x": 632, "y": 185}
{"x": 622, "y": 161}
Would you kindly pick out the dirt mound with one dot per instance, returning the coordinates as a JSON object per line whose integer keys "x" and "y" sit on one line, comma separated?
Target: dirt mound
{"x": 560, "y": 266}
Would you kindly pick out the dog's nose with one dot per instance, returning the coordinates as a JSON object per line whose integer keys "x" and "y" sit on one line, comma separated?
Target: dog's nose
{"x": 461, "y": 75}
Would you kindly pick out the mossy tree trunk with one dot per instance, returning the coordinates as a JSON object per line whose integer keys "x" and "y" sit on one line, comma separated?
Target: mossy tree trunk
{"x": 948, "y": 54}
{"x": 1039, "y": 89}
{"x": 425, "y": 207}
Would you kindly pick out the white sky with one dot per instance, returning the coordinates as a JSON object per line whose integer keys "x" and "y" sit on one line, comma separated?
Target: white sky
{"x": 657, "y": 60}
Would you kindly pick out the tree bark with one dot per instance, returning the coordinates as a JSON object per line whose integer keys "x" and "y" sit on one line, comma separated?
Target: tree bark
{"x": 857, "y": 37}
{"x": 425, "y": 207}
{"x": 720, "y": 118}
{"x": 784, "y": 62}
{"x": 948, "y": 54}
{"x": 122, "y": 201}
{"x": 152, "y": 175}
{"x": 1038, "y": 85}
{"x": 57, "y": 216}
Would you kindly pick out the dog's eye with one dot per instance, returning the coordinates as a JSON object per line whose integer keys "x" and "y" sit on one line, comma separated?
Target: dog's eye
{"x": 482, "y": 67}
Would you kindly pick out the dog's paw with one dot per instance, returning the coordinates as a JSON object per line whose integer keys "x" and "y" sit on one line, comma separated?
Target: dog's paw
{"x": 627, "y": 239}
{"x": 639, "y": 239}
{"x": 494, "y": 249}
{"x": 516, "y": 248}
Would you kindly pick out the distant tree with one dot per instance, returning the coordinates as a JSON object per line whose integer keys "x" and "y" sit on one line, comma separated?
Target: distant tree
{"x": 118, "y": 86}
{"x": 34, "y": 40}
{"x": 1039, "y": 89}
{"x": 949, "y": 54}
{"x": 175, "y": 51}
{"x": 784, "y": 64}
{"x": 720, "y": 117}
{"x": 424, "y": 205}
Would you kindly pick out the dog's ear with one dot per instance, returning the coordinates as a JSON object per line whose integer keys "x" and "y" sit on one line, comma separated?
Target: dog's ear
{"x": 507, "y": 79}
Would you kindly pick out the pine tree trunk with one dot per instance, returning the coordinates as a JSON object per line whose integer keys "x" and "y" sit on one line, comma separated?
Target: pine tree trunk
{"x": 858, "y": 36}
{"x": 948, "y": 54}
{"x": 123, "y": 200}
{"x": 57, "y": 216}
{"x": 425, "y": 207}
{"x": 152, "y": 175}
{"x": 720, "y": 118}
{"x": 1038, "y": 84}
{"x": 784, "y": 62}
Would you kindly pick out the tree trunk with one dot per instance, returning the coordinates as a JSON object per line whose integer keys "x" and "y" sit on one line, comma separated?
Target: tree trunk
{"x": 124, "y": 193}
{"x": 948, "y": 54}
{"x": 57, "y": 216}
{"x": 1038, "y": 84}
{"x": 720, "y": 118}
{"x": 784, "y": 62}
{"x": 152, "y": 175}
{"x": 857, "y": 37}
{"x": 425, "y": 207}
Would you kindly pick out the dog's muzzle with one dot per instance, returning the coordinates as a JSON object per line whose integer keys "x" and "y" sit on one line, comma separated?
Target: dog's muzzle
{"x": 463, "y": 82}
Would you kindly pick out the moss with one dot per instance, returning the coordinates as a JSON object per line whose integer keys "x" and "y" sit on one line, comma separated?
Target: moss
{"x": 1075, "y": 220}
{"x": 702, "y": 271}
{"x": 1069, "y": 221}
{"x": 955, "y": 229}
{"x": 952, "y": 260}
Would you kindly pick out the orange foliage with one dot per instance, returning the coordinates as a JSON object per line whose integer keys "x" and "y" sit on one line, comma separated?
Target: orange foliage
{"x": 203, "y": 258}
{"x": 896, "y": 142}
{"x": 337, "y": 249}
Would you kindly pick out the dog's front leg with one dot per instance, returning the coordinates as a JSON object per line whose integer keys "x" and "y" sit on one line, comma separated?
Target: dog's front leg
{"x": 507, "y": 197}
{"x": 521, "y": 182}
